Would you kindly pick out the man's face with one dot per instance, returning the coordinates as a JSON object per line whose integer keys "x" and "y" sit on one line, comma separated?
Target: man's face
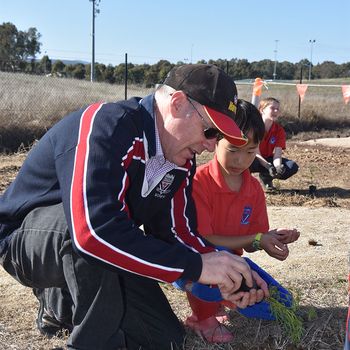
{"x": 185, "y": 125}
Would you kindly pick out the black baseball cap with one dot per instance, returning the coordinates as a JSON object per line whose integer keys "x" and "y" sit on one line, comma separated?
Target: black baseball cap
{"x": 215, "y": 90}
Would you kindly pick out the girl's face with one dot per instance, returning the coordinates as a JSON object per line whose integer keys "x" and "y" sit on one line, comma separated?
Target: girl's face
{"x": 234, "y": 160}
{"x": 271, "y": 111}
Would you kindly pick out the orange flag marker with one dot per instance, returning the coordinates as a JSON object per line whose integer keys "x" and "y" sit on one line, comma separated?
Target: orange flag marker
{"x": 301, "y": 88}
{"x": 346, "y": 93}
{"x": 257, "y": 87}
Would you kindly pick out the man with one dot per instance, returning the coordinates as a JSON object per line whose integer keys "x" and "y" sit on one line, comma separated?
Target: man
{"x": 70, "y": 220}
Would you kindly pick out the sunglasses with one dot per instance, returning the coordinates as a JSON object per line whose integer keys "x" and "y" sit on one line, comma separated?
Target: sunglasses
{"x": 209, "y": 132}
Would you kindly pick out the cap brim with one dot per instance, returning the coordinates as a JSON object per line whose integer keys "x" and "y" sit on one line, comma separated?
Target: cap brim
{"x": 227, "y": 126}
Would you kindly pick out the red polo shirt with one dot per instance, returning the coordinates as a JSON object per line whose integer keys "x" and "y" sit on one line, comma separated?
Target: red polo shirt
{"x": 275, "y": 137}
{"x": 222, "y": 211}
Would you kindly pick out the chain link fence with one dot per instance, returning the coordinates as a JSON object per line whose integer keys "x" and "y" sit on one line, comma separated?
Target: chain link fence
{"x": 31, "y": 104}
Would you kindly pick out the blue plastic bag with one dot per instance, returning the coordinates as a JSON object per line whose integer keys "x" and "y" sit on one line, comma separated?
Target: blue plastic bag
{"x": 260, "y": 310}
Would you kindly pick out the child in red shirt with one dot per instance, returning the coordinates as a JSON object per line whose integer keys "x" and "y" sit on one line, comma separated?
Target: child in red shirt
{"x": 231, "y": 212}
{"x": 269, "y": 162}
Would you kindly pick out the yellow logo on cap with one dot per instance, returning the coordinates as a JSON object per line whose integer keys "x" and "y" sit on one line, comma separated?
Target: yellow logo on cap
{"x": 232, "y": 107}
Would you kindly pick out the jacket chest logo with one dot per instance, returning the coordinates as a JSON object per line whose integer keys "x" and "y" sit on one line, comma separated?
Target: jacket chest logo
{"x": 272, "y": 140}
{"x": 163, "y": 187}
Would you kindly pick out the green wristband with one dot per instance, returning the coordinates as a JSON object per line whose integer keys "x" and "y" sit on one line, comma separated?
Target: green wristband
{"x": 256, "y": 241}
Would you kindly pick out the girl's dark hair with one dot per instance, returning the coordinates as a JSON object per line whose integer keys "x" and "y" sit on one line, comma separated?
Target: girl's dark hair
{"x": 248, "y": 118}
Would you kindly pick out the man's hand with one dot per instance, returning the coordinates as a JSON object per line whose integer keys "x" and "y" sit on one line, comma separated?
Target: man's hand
{"x": 226, "y": 270}
{"x": 255, "y": 295}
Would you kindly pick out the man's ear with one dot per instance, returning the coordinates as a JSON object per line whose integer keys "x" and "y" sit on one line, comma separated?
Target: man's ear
{"x": 178, "y": 103}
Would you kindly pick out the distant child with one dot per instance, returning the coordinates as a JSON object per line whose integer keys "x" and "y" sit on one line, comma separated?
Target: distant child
{"x": 269, "y": 162}
{"x": 231, "y": 213}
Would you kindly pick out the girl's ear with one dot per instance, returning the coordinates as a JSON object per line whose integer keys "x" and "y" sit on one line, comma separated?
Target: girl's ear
{"x": 178, "y": 104}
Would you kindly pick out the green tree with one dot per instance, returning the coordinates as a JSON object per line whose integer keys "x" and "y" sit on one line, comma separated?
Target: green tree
{"x": 345, "y": 70}
{"x": 100, "y": 69}
{"x": 8, "y": 40}
{"x": 58, "y": 67}
{"x": 163, "y": 67}
{"x": 78, "y": 71}
{"x": 285, "y": 70}
{"x": 119, "y": 73}
{"x": 108, "y": 74}
{"x": 45, "y": 64}
{"x": 68, "y": 70}
{"x": 137, "y": 74}
{"x": 326, "y": 70}
{"x": 17, "y": 46}
{"x": 239, "y": 69}
{"x": 32, "y": 43}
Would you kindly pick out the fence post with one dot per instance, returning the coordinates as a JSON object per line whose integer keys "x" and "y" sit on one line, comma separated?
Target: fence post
{"x": 126, "y": 77}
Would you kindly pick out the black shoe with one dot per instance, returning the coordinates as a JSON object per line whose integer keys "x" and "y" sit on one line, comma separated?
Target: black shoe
{"x": 269, "y": 187}
{"x": 46, "y": 323}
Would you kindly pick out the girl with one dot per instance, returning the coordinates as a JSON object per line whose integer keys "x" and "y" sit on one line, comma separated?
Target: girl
{"x": 269, "y": 162}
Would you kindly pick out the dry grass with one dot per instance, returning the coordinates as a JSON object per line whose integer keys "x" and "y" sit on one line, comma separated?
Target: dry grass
{"x": 320, "y": 102}
{"x": 316, "y": 273}
{"x": 31, "y": 104}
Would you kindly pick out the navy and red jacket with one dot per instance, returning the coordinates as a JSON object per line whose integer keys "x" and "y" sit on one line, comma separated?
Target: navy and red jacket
{"x": 93, "y": 161}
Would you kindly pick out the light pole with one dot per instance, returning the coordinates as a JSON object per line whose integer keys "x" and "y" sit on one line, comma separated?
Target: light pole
{"x": 95, "y": 11}
{"x": 311, "y": 47}
{"x": 275, "y": 66}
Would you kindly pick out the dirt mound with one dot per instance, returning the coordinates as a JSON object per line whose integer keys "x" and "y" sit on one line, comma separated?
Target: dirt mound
{"x": 343, "y": 142}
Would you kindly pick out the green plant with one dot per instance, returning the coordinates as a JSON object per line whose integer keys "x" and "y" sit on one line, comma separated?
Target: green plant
{"x": 311, "y": 314}
{"x": 286, "y": 316}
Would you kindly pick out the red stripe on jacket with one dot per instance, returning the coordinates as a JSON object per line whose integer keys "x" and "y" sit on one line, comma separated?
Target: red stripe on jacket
{"x": 181, "y": 228}
{"x": 84, "y": 236}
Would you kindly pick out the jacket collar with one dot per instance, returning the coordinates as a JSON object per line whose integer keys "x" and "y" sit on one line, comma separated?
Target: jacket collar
{"x": 148, "y": 116}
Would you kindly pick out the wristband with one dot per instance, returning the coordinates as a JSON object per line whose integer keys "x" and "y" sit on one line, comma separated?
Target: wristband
{"x": 256, "y": 241}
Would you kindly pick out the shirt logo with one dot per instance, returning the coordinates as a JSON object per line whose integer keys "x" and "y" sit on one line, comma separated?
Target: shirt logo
{"x": 273, "y": 140}
{"x": 164, "y": 186}
{"x": 247, "y": 212}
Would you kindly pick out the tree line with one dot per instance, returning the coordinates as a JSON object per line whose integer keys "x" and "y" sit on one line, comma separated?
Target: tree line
{"x": 18, "y": 51}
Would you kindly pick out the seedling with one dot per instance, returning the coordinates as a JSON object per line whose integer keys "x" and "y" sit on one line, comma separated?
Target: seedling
{"x": 286, "y": 316}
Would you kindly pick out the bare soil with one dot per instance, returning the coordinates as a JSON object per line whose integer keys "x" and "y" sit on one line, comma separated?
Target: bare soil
{"x": 316, "y": 273}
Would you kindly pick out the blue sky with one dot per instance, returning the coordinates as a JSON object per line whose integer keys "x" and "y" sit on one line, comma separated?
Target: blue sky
{"x": 187, "y": 30}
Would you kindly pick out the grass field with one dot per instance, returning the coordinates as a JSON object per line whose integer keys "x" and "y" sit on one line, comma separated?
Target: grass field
{"x": 30, "y": 104}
